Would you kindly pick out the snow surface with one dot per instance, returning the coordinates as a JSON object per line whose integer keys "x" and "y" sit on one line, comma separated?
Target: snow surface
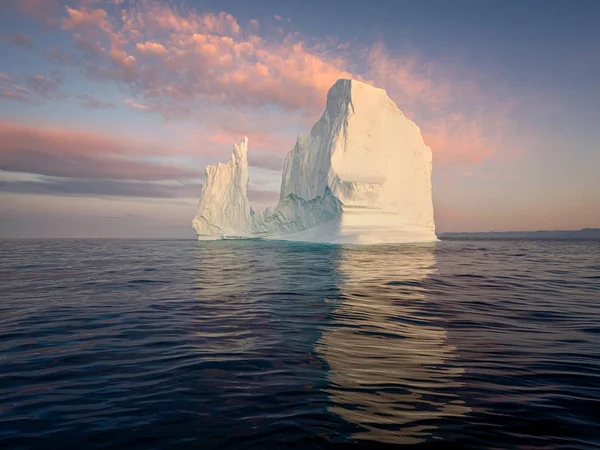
{"x": 362, "y": 176}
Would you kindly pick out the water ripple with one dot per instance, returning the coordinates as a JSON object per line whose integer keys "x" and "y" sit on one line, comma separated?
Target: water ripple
{"x": 250, "y": 344}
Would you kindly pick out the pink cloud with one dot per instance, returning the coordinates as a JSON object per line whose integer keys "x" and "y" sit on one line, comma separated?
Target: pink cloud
{"x": 224, "y": 65}
{"x": 126, "y": 62}
{"x": 453, "y": 145}
{"x": 151, "y": 48}
{"x": 19, "y": 96}
{"x": 221, "y": 23}
{"x": 84, "y": 19}
{"x": 454, "y": 139}
{"x": 79, "y": 154}
{"x": 95, "y": 23}
{"x": 135, "y": 105}
{"x": 147, "y": 17}
{"x": 408, "y": 79}
{"x": 176, "y": 61}
{"x": 459, "y": 121}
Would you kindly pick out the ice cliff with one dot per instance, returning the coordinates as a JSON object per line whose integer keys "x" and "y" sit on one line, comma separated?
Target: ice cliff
{"x": 363, "y": 175}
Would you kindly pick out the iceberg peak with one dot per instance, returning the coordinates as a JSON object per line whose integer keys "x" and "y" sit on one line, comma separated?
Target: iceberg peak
{"x": 224, "y": 209}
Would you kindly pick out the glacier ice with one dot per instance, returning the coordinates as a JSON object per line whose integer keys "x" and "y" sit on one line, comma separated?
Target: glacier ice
{"x": 362, "y": 176}
{"x": 224, "y": 209}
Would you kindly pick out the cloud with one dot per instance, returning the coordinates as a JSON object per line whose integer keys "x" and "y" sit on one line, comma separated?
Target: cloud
{"x": 79, "y": 154}
{"x": 44, "y": 11}
{"x": 94, "y": 188}
{"x": 410, "y": 80}
{"x": 151, "y": 49}
{"x": 18, "y": 96}
{"x": 23, "y": 40}
{"x": 47, "y": 88}
{"x": 20, "y": 39}
{"x": 135, "y": 105}
{"x": 87, "y": 45}
{"x": 31, "y": 88}
{"x": 10, "y": 89}
{"x": 454, "y": 141}
{"x": 461, "y": 120}
{"x": 169, "y": 110}
{"x": 86, "y": 19}
{"x": 180, "y": 63}
{"x": 203, "y": 58}
{"x": 89, "y": 102}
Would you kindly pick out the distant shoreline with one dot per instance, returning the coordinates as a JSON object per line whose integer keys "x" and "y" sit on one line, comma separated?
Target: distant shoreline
{"x": 586, "y": 233}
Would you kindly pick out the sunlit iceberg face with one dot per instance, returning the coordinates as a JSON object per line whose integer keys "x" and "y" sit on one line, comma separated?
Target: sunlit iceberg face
{"x": 390, "y": 368}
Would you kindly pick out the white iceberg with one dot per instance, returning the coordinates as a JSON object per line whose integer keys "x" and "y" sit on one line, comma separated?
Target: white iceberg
{"x": 224, "y": 209}
{"x": 362, "y": 176}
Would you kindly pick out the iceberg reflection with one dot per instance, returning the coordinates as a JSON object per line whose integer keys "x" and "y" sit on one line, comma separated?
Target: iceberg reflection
{"x": 390, "y": 365}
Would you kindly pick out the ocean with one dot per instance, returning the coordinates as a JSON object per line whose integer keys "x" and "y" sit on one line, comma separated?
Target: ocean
{"x": 160, "y": 344}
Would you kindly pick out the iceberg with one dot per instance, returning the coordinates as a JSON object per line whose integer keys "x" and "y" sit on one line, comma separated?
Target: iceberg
{"x": 362, "y": 176}
{"x": 224, "y": 209}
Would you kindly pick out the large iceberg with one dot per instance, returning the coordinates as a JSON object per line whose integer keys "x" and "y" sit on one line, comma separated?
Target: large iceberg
{"x": 362, "y": 176}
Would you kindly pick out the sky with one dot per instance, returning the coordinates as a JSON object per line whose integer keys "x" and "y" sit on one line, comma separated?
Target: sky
{"x": 110, "y": 109}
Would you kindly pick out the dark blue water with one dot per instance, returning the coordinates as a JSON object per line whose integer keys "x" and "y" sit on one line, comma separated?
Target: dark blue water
{"x": 248, "y": 344}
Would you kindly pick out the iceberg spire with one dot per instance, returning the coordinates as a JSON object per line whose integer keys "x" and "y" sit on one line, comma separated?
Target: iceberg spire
{"x": 224, "y": 210}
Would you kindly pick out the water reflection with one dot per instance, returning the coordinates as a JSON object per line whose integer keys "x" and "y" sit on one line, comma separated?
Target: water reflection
{"x": 258, "y": 314}
{"x": 225, "y": 274}
{"x": 389, "y": 371}
{"x": 324, "y": 343}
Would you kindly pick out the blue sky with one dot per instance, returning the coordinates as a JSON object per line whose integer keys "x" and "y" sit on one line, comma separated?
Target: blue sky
{"x": 109, "y": 109}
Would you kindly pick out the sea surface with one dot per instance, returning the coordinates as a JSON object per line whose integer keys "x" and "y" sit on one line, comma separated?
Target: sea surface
{"x": 149, "y": 344}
